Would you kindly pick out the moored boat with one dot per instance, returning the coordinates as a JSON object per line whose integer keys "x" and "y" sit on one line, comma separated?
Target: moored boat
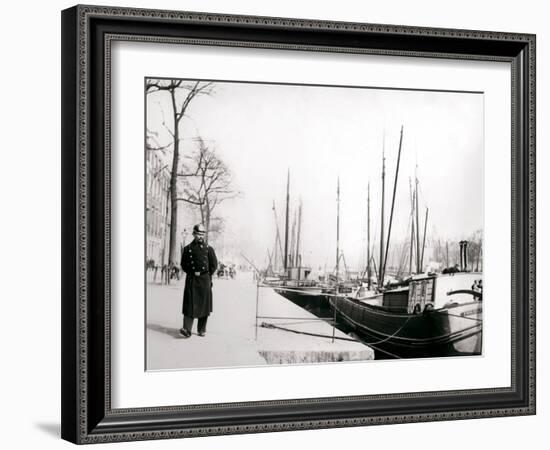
{"x": 307, "y": 297}
{"x": 436, "y": 315}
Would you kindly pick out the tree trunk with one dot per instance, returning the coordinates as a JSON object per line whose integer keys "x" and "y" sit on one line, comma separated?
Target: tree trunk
{"x": 203, "y": 220}
{"x": 207, "y": 218}
{"x": 174, "y": 183}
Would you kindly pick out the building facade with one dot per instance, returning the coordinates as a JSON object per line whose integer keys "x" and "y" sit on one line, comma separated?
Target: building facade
{"x": 157, "y": 221}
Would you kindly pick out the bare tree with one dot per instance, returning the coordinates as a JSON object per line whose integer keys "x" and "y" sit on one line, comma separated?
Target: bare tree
{"x": 207, "y": 183}
{"x": 217, "y": 224}
{"x": 151, "y": 145}
{"x": 179, "y": 105}
{"x": 475, "y": 250}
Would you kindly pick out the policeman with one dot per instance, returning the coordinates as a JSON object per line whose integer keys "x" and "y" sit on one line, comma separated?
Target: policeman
{"x": 199, "y": 262}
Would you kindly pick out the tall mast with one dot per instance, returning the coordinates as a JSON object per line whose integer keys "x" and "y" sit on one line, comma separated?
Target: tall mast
{"x": 412, "y": 228}
{"x": 286, "y": 219}
{"x": 296, "y": 259}
{"x": 269, "y": 262}
{"x": 418, "y": 270}
{"x": 292, "y": 262}
{"x": 337, "y": 228}
{"x": 381, "y": 262}
{"x": 424, "y": 240}
{"x": 337, "y": 256}
{"x": 393, "y": 198}
{"x": 368, "y": 236}
{"x": 274, "y": 257}
{"x": 278, "y": 245}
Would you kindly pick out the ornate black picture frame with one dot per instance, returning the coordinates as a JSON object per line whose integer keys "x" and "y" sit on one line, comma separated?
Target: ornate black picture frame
{"x": 87, "y": 34}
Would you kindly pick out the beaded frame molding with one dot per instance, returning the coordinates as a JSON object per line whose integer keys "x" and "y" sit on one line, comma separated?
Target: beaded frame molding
{"x": 87, "y": 35}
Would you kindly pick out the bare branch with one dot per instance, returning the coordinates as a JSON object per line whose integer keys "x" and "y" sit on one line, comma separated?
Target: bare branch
{"x": 155, "y": 149}
{"x": 207, "y": 180}
{"x": 187, "y": 174}
{"x": 178, "y": 106}
{"x": 181, "y": 199}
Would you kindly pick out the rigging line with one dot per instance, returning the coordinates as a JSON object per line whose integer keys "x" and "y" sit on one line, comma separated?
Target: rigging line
{"x": 304, "y": 322}
{"x": 410, "y": 339}
{"x": 402, "y": 259}
{"x": 300, "y": 319}
{"x": 372, "y": 248}
{"x": 270, "y": 325}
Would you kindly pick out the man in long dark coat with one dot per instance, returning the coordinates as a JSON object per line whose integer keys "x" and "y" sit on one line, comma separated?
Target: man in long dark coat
{"x": 198, "y": 261}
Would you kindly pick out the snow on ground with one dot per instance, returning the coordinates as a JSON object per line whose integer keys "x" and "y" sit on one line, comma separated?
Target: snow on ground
{"x": 231, "y": 331}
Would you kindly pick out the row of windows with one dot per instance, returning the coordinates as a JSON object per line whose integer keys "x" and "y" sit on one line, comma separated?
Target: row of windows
{"x": 154, "y": 251}
{"x": 421, "y": 288}
{"x": 157, "y": 203}
{"x": 154, "y": 160}
{"x": 155, "y": 223}
{"x": 157, "y": 184}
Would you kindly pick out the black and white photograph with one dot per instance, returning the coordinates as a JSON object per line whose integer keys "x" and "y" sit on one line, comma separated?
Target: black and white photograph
{"x": 275, "y": 225}
{"x": 298, "y": 224}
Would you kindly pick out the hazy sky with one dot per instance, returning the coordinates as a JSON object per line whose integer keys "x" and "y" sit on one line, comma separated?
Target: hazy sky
{"x": 322, "y": 133}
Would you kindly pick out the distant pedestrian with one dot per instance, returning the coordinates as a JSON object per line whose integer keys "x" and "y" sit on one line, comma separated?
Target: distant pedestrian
{"x": 199, "y": 262}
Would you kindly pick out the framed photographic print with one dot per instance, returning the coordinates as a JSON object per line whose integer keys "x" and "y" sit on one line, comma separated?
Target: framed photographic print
{"x": 268, "y": 222}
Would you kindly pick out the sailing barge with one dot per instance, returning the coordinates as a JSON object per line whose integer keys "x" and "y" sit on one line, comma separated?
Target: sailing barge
{"x": 435, "y": 315}
{"x": 432, "y": 315}
{"x": 427, "y": 315}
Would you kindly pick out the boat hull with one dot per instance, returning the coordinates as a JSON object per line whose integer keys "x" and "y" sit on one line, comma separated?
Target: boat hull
{"x": 451, "y": 331}
{"x": 308, "y": 298}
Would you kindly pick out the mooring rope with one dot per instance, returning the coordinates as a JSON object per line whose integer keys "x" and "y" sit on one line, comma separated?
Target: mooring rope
{"x": 270, "y": 325}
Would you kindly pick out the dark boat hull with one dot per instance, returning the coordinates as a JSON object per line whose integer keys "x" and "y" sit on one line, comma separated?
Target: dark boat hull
{"x": 308, "y": 298}
{"x": 452, "y": 331}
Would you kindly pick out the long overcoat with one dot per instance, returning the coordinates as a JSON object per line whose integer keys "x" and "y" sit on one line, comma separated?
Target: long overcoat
{"x": 197, "y": 295}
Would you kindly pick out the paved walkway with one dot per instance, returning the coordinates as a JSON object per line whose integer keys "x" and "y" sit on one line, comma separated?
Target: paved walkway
{"x": 232, "y": 338}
